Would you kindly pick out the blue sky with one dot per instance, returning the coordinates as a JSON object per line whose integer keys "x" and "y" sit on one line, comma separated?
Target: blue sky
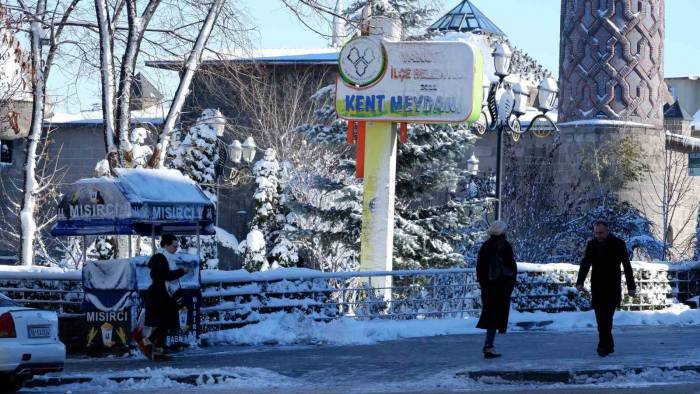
{"x": 532, "y": 25}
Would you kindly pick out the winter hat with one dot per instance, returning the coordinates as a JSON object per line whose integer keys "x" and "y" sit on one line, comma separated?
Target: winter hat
{"x": 497, "y": 228}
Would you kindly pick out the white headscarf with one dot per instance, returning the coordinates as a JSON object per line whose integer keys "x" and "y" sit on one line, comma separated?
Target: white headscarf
{"x": 497, "y": 228}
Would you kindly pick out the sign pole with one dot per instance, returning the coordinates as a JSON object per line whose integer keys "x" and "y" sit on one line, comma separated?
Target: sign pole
{"x": 378, "y": 199}
{"x": 383, "y": 85}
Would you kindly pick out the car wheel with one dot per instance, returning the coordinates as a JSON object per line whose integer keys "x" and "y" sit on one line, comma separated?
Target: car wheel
{"x": 11, "y": 383}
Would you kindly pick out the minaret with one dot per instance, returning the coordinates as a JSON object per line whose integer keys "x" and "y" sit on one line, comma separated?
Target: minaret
{"x": 611, "y": 63}
{"x": 338, "y": 26}
{"x": 611, "y": 80}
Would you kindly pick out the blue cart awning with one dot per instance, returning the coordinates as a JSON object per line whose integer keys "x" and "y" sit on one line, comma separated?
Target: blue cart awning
{"x": 135, "y": 202}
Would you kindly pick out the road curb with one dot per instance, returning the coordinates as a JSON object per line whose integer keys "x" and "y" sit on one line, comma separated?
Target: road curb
{"x": 193, "y": 379}
{"x": 567, "y": 377}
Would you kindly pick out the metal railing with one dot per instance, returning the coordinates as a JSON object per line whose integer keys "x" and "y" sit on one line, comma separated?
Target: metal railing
{"x": 420, "y": 294}
{"x": 232, "y": 300}
{"x": 58, "y": 291}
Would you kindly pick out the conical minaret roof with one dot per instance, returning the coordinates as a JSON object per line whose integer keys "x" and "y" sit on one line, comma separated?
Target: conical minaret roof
{"x": 466, "y": 17}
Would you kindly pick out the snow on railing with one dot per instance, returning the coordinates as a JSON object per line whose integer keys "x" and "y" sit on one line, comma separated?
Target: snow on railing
{"x": 43, "y": 288}
{"x": 237, "y": 298}
{"x": 422, "y": 294}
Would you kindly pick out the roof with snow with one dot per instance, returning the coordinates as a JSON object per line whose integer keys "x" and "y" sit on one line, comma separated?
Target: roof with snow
{"x": 466, "y": 17}
{"x": 150, "y": 115}
{"x": 135, "y": 202}
{"x": 283, "y": 56}
{"x": 676, "y": 111}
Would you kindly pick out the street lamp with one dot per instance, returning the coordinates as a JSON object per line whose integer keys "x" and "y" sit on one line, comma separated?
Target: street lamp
{"x": 548, "y": 92}
{"x": 473, "y": 165}
{"x": 501, "y": 58}
{"x": 249, "y": 149}
{"x": 218, "y": 123}
{"x": 241, "y": 154}
{"x": 507, "y": 102}
{"x": 235, "y": 151}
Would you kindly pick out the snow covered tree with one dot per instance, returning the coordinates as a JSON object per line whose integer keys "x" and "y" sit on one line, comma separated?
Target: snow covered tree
{"x": 326, "y": 214}
{"x": 270, "y": 212}
{"x": 435, "y": 225}
{"x": 197, "y": 156}
{"x": 104, "y": 248}
{"x": 253, "y": 251}
{"x": 547, "y": 229}
{"x": 268, "y": 217}
{"x": 568, "y": 232}
{"x": 37, "y": 21}
{"x": 414, "y": 14}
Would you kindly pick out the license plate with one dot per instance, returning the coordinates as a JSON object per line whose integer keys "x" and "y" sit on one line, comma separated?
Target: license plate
{"x": 39, "y": 331}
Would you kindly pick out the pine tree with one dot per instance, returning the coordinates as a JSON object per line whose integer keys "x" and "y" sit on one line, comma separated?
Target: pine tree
{"x": 253, "y": 251}
{"x": 270, "y": 215}
{"x": 196, "y": 155}
{"x": 326, "y": 213}
{"x": 267, "y": 217}
{"x": 435, "y": 224}
{"x": 414, "y": 14}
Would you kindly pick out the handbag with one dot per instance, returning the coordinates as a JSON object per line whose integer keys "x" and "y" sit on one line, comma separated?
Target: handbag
{"x": 496, "y": 268}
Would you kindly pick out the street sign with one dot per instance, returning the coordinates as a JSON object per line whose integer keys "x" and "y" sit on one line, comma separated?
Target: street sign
{"x": 417, "y": 82}
{"x": 694, "y": 164}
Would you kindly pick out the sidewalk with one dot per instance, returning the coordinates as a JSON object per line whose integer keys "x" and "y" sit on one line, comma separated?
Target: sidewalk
{"x": 448, "y": 361}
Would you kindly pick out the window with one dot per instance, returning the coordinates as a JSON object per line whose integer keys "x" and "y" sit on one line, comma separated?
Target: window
{"x": 5, "y": 152}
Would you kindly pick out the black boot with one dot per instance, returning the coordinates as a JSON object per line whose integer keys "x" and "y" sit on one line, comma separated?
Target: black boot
{"x": 489, "y": 352}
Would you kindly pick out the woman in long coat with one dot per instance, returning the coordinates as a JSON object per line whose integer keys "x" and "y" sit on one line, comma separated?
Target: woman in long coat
{"x": 496, "y": 272}
{"x": 161, "y": 307}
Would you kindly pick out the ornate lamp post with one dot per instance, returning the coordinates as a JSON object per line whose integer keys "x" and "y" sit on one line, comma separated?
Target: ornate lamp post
{"x": 504, "y": 106}
{"x": 241, "y": 155}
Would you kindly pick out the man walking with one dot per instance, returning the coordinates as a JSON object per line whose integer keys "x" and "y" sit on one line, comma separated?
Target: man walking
{"x": 605, "y": 253}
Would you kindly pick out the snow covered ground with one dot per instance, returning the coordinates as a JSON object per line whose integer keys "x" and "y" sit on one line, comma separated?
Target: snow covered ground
{"x": 287, "y": 329}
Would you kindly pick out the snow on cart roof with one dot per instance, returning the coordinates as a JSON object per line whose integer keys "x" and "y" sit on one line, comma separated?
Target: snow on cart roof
{"x": 137, "y": 202}
{"x": 162, "y": 185}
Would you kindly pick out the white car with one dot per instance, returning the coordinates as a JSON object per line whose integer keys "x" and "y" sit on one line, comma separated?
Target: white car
{"x": 29, "y": 344}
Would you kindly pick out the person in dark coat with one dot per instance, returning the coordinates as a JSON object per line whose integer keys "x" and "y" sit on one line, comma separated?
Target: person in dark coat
{"x": 604, "y": 254}
{"x": 161, "y": 307}
{"x": 496, "y": 272}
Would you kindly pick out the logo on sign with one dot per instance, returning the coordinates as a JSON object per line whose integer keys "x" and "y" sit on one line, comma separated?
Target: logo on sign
{"x": 362, "y": 61}
{"x": 428, "y": 82}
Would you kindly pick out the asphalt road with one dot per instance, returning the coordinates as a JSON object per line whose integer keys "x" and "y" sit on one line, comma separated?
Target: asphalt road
{"x": 434, "y": 364}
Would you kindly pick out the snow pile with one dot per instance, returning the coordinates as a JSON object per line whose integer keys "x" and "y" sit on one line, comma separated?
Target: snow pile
{"x": 147, "y": 379}
{"x": 288, "y": 329}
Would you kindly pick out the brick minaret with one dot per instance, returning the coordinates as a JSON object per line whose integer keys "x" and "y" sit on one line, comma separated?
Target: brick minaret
{"x": 611, "y": 79}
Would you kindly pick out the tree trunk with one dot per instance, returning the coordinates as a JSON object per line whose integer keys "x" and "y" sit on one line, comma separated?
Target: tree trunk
{"x": 158, "y": 158}
{"x": 137, "y": 27}
{"x": 107, "y": 79}
{"x": 27, "y": 222}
